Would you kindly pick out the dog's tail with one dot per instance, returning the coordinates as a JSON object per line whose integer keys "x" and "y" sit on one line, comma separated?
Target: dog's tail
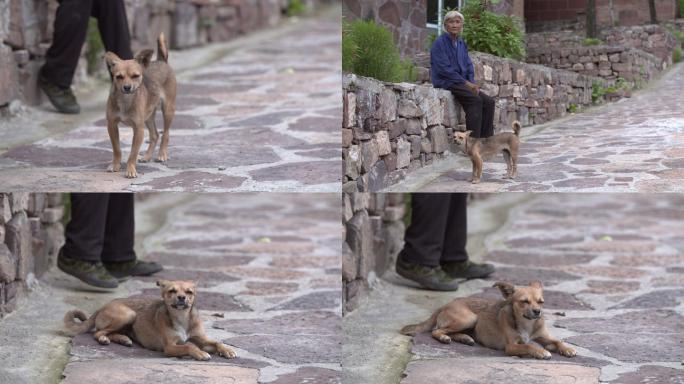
{"x": 414, "y": 329}
{"x": 516, "y": 127}
{"x": 162, "y": 51}
{"x": 85, "y": 325}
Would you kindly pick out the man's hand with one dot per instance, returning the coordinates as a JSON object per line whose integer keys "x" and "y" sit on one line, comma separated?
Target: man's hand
{"x": 473, "y": 87}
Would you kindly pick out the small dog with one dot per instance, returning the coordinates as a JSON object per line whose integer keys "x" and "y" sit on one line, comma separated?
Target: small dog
{"x": 138, "y": 87}
{"x": 481, "y": 149}
{"x": 510, "y": 324}
{"x": 171, "y": 325}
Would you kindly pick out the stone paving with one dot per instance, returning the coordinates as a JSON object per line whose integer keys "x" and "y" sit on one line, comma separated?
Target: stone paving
{"x": 264, "y": 117}
{"x": 634, "y": 145}
{"x": 268, "y": 267}
{"x": 612, "y": 266}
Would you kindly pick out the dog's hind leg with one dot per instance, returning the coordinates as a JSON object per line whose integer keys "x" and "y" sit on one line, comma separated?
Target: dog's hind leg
{"x": 449, "y": 324}
{"x": 154, "y": 136}
{"x": 120, "y": 339}
{"x": 509, "y": 164}
{"x": 112, "y": 317}
{"x": 168, "y": 111}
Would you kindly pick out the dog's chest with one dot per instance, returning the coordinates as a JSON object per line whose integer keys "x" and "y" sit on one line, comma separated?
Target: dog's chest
{"x": 180, "y": 327}
{"x": 524, "y": 335}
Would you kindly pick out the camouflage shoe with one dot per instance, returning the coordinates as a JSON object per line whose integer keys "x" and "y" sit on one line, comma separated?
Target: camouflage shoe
{"x": 125, "y": 269}
{"x": 467, "y": 269}
{"x": 91, "y": 273}
{"x": 432, "y": 278}
{"x": 62, "y": 98}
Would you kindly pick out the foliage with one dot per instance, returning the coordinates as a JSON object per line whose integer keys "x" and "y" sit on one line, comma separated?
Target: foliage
{"x": 489, "y": 32}
{"x": 295, "y": 7}
{"x": 681, "y": 8}
{"x": 573, "y": 108}
{"x": 591, "y": 41}
{"x": 598, "y": 91}
{"x": 368, "y": 50}
{"x": 677, "y": 55}
{"x": 95, "y": 48}
{"x": 430, "y": 40}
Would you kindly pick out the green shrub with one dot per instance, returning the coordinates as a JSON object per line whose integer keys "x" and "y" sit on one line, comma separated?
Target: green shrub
{"x": 295, "y": 7}
{"x": 489, "y": 32}
{"x": 597, "y": 92}
{"x": 430, "y": 40}
{"x": 591, "y": 41}
{"x": 368, "y": 50}
{"x": 677, "y": 55}
{"x": 573, "y": 108}
{"x": 95, "y": 48}
{"x": 681, "y": 8}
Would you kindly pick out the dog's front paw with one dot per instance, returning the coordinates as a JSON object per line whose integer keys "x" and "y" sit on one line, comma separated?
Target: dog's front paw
{"x": 541, "y": 354}
{"x": 225, "y": 351}
{"x": 114, "y": 167}
{"x": 567, "y": 351}
{"x": 131, "y": 172}
{"x": 104, "y": 340}
{"x": 201, "y": 355}
{"x": 163, "y": 157}
{"x": 444, "y": 339}
{"x": 475, "y": 181}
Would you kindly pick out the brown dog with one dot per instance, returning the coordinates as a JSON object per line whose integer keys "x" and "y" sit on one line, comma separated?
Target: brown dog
{"x": 171, "y": 325}
{"x": 481, "y": 149}
{"x": 138, "y": 87}
{"x": 510, "y": 325}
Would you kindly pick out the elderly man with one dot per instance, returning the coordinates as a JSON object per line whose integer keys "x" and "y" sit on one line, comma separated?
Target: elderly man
{"x": 452, "y": 69}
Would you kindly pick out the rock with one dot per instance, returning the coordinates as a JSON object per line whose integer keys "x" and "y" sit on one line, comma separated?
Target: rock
{"x": 369, "y": 155}
{"x": 438, "y": 138}
{"x": 349, "y": 110}
{"x": 382, "y": 141}
{"x": 408, "y": 108}
{"x": 403, "y": 153}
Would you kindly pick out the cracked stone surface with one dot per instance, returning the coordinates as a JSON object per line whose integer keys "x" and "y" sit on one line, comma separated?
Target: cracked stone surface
{"x": 634, "y": 145}
{"x": 610, "y": 265}
{"x": 263, "y": 117}
{"x": 283, "y": 331}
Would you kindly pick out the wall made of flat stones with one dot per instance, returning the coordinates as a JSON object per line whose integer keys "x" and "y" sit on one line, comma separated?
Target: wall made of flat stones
{"x": 406, "y": 19}
{"x": 374, "y": 233}
{"x": 31, "y": 233}
{"x": 26, "y": 28}
{"x": 391, "y": 129}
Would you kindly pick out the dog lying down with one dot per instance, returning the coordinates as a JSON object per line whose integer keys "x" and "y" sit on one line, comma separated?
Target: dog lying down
{"x": 171, "y": 324}
{"x": 514, "y": 325}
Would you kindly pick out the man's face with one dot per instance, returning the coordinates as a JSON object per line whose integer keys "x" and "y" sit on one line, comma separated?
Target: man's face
{"x": 454, "y": 26}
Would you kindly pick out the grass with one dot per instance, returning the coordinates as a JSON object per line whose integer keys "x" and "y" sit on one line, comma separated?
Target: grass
{"x": 591, "y": 41}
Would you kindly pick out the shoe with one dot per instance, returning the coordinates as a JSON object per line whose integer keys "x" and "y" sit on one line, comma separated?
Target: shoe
{"x": 125, "y": 269}
{"x": 91, "y": 273}
{"x": 432, "y": 278}
{"x": 62, "y": 98}
{"x": 467, "y": 269}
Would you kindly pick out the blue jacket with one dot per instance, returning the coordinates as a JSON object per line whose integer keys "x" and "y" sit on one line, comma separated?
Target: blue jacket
{"x": 450, "y": 63}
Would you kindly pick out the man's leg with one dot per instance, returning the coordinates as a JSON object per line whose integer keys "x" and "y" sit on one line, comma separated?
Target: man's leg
{"x": 487, "y": 115}
{"x": 472, "y": 104}
{"x": 113, "y": 25}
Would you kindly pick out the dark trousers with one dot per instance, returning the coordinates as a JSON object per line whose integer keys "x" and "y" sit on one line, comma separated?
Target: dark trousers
{"x": 479, "y": 111}
{"x": 438, "y": 230}
{"x": 102, "y": 227}
{"x": 71, "y": 25}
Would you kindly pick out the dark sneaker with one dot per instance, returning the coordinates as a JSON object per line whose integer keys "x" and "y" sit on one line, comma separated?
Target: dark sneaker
{"x": 62, "y": 98}
{"x": 125, "y": 269}
{"x": 432, "y": 278}
{"x": 91, "y": 273}
{"x": 467, "y": 269}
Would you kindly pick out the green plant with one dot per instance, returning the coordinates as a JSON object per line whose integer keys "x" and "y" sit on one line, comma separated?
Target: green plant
{"x": 597, "y": 92}
{"x": 490, "y": 32}
{"x": 430, "y": 40}
{"x": 591, "y": 41}
{"x": 677, "y": 55}
{"x": 368, "y": 50}
{"x": 573, "y": 108}
{"x": 95, "y": 47}
{"x": 295, "y": 7}
{"x": 681, "y": 8}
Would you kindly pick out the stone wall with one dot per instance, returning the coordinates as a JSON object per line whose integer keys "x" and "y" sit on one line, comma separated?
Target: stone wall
{"x": 406, "y": 19}
{"x": 391, "y": 129}
{"x": 548, "y": 15}
{"x": 31, "y": 234}
{"x": 374, "y": 235}
{"x": 26, "y": 28}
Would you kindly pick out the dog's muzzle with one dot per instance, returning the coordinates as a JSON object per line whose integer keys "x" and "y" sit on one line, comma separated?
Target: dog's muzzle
{"x": 532, "y": 315}
{"x": 180, "y": 304}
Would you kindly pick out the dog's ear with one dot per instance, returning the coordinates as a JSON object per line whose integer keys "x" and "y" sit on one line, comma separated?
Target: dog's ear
{"x": 162, "y": 283}
{"x": 144, "y": 57}
{"x": 536, "y": 284}
{"x": 111, "y": 59}
{"x": 506, "y": 289}
{"x": 468, "y": 133}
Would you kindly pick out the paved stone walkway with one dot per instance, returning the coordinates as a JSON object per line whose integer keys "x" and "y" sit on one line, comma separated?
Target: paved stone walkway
{"x": 633, "y": 145}
{"x": 268, "y": 267}
{"x": 612, "y": 266}
{"x": 264, "y": 117}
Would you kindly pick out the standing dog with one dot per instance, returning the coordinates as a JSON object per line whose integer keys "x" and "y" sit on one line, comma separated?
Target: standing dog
{"x": 171, "y": 325}
{"x": 138, "y": 87}
{"x": 510, "y": 324}
{"x": 481, "y": 149}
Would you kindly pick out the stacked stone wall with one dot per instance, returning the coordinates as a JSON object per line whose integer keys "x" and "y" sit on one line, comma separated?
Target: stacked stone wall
{"x": 374, "y": 233}
{"x": 391, "y": 129}
{"x": 26, "y": 28}
{"x": 31, "y": 233}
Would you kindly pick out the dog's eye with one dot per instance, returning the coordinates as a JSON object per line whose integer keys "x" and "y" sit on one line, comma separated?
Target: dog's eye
{"x": 120, "y": 77}
{"x": 541, "y": 301}
{"x": 172, "y": 291}
{"x": 526, "y": 301}
{"x": 189, "y": 292}
{"x": 135, "y": 76}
